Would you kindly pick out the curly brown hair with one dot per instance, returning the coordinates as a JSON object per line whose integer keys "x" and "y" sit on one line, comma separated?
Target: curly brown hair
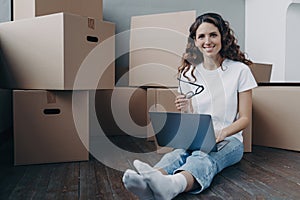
{"x": 230, "y": 49}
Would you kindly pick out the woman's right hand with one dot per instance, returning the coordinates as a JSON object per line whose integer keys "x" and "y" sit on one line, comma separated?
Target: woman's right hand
{"x": 183, "y": 104}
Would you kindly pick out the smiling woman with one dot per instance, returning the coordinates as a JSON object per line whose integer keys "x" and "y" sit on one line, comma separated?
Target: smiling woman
{"x": 212, "y": 60}
{"x": 214, "y": 38}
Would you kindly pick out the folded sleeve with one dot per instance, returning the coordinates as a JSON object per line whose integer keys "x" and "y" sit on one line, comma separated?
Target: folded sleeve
{"x": 246, "y": 80}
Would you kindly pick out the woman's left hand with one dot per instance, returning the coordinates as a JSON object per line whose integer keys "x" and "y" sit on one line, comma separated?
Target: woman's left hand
{"x": 182, "y": 103}
{"x": 220, "y": 136}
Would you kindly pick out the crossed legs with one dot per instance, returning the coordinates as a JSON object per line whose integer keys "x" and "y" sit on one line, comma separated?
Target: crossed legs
{"x": 150, "y": 183}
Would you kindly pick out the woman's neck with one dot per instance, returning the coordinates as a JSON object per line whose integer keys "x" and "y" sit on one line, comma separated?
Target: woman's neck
{"x": 212, "y": 63}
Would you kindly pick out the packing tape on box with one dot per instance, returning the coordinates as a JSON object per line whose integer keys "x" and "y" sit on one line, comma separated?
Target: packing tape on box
{"x": 51, "y": 97}
{"x": 91, "y": 23}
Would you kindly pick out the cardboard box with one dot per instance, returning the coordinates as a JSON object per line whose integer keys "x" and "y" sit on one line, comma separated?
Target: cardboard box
{"x": 261, "y": 72}
{"x": 247, "y": 138}
{"x": 276, "y": 113}
{"x": 163, "y": 100}
{"x": 45, "y": 130}
{"x": 47, "y": 52}
{"x": 33, "y": 8}
{"x": 159, "y": 99}
{"x": 157, "y": 43}
{"x": 119, "y": 111}
{"x": 5, "y": 110}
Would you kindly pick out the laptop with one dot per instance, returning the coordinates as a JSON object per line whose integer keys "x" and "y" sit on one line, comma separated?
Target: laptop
{"x": 185, "y": 131}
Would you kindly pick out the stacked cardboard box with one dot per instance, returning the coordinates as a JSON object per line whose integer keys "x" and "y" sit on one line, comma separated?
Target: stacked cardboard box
{"x": 47, "y": 52}
{"x": 118, "y": 111}
{"x": 44, "y": 129}
{"x": 46, "y": 48}
{"x": 157, "y": 42}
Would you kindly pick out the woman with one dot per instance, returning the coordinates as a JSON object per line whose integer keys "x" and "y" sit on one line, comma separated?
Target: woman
{"x": 212, "y": 59}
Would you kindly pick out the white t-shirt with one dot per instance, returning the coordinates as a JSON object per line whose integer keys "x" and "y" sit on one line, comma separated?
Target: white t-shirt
{"x": 220, "y": 95}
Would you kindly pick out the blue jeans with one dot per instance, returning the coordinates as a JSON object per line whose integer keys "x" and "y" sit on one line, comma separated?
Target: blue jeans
{"x": 201, "y": 165}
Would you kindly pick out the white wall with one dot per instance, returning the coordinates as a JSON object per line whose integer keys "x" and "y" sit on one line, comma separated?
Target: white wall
{"x": 265, "y": 35}
{"x": 292, "y": 65}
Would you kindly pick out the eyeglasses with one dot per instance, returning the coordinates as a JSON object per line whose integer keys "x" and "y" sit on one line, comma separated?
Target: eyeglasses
{"x": 190, "y": 94}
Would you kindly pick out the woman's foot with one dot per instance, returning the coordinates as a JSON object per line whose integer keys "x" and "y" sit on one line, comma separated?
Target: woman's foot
{"x": 164, "y": 187}
{"x": 135, "y": 183}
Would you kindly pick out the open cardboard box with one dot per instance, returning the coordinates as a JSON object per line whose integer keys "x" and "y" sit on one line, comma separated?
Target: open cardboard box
{"x": 261, "y": 72}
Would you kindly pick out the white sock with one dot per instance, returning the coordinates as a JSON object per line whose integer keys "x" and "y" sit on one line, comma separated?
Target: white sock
{"x": 135, "y": 183}
{"x": 164, "y": 187}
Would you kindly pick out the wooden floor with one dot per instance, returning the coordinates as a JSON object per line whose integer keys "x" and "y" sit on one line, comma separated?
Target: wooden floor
{"x": 266, "y": 173}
